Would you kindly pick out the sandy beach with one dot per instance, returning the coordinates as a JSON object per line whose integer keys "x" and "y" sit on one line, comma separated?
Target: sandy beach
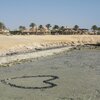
{"x": 49, "y": 50}
{"x": 49, "y": 67}
{"x": 18, "y": 44}
{"x": 71, "y": 75}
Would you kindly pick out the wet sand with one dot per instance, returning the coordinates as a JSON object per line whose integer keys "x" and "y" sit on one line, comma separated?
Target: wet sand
{"x": 9, "y": 60}
{"x": 78, "y": 75}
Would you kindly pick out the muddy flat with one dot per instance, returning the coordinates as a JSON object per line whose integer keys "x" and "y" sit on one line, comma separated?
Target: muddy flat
{"x": 72, "y": 75}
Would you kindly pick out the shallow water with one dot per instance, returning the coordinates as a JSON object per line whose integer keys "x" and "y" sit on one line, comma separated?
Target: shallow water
{"x": 77, "y": 72}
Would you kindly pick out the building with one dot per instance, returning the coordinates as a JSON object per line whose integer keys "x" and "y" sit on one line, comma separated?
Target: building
{"x": 4, "y": 32}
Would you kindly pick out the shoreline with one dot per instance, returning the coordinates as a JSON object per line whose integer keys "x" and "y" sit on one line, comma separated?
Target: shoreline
{"x": 18, "y": 48}
{"x": 10, "y": 45}
{"x": 32, "y": 49}
{"x": 9, "y": 60}
{"x": 19, "y": 58}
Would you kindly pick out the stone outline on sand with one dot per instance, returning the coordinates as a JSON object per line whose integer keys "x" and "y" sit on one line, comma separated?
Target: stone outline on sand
{"x": 47, "y": 81}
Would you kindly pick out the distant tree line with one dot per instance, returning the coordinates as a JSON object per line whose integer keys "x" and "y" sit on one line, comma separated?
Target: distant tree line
{"x": 51, "y": 30}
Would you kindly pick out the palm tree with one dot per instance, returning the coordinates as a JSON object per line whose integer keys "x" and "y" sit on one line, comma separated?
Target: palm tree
{"x": 2, "y": 26}
{"x": 21, "y": 28}
{"x": 32, "y": 25}
{"x": 76, "y": 27}
{"x": 55, "y": 27}
{"x": 61, "y": 30}
{"x": 94, "y": 28}
{"x": 41, "y": 28}
{"x": 48, "y": 26}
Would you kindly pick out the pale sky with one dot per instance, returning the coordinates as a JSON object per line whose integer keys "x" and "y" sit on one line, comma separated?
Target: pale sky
{"x": 84, "y": 13}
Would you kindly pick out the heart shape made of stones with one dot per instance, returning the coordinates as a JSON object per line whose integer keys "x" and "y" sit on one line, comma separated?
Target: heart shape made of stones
{"x": 47, "y": 81}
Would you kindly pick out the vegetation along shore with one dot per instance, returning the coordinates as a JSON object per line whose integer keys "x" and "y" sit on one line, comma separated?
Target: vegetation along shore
{"x": 48, "y": 29}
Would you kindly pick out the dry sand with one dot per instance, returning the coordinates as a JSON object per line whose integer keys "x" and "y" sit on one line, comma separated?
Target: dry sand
{"x": 16, "y": 44}
{"x": 21, "y": 43}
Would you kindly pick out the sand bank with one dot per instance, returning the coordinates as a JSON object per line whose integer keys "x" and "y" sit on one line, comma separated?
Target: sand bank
{"x": 16, "y": 44}
{"x": 7, "y": 60}
{"x": 18, "y": 47}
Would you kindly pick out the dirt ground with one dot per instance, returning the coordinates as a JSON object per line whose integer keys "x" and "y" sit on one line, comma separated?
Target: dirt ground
{"x": 72, "y": 75}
